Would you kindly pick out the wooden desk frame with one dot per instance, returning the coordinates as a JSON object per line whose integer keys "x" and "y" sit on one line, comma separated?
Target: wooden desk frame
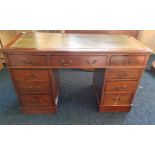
{"x": 116, "y": 76}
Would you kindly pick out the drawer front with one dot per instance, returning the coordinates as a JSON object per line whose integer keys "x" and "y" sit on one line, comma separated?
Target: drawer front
{"x": 117, "y": 99}
{"x": 88, "y": 61}
{"x": 127, "y": 60}
{"x": 30, "y": 75}
{"x": 27, "y": 60}
{"x": 36, "y": 100}
{"x": 123, "y": 73}
{"x": 121, "y": 86}
{"x": 33, "y": 87}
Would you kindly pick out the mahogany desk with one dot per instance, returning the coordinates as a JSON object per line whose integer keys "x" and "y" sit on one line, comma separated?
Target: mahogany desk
{"x": 34, "y": 59}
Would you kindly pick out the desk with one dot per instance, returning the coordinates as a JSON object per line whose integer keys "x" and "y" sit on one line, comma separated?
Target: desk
{"x": 34, "y": 60}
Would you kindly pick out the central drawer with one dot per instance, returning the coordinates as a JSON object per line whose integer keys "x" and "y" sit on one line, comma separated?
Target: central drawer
{"x": 33, "y": 87}
{"x": 36, "y": 100}
{"x": 121, "y": 86}
{"x": 83, "y": 61}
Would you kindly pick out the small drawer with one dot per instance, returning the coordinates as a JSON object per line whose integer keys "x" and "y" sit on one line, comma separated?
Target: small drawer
{"x": 117, "y": 99}
{"x": 127, "y": 60}
{"x": 27, "y": 60}
{"x": 83, "y": 61}
{"x": 36, "y": 100}
{"x": 33, "y": 87}
{"x": 30, "y": 75}
{"x": 123, "y": 73}
{"x": 116, "y": 86}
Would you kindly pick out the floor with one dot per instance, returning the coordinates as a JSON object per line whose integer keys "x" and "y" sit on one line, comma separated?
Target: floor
{"x": 77, "y": 103}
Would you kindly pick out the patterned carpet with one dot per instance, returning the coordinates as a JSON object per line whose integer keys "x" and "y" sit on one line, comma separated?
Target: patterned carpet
{"x": 77, "y": 103}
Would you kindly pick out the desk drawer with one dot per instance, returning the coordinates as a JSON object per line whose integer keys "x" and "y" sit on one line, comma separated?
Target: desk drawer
{"x": 36, "y": 100}
{"x": 116, "y": 86}
{"x": 123, "y": 73}
{"x": 117, "y": 99}
{"x": 87, "y": 61}
{"x": 33, "y": 87}
{"x": 30, "y": 75}
{"x": 27, "y": 60}
{"x": 127, "y": 60}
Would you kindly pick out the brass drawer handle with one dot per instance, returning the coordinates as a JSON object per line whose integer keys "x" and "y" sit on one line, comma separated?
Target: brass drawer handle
{"x": 30, "y": 87}
{"x": 34, "y": 87}
{"x": 35, "y": 74}
{"x": 31, "y": 76}
{"x": 117, "y": 98}
{"x": 66, "y": 62}
{"x": 37, "y": 87}
{"x": 36, "y": 101}
{"x": 91, "y": 62}
{"x": 27, "y": 76}
{"x": 120, "y": 88}
{"x": 123, "y": 74}
{"x": 128, "y": 61}
{"x": 28, "y": 60}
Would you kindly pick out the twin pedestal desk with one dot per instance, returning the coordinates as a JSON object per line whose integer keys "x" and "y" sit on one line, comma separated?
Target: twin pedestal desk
{"x": 34, "y": 60}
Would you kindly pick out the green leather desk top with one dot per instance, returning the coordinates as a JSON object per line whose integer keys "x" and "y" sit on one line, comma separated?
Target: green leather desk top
{"x": 86, "y": 42}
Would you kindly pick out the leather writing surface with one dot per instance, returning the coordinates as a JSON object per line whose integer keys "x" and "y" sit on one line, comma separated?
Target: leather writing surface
{"x": 76, "y": 41}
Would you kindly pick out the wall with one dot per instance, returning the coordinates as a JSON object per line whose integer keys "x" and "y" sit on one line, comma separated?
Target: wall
{"x": 148, "y": 38}
{"x": 7, "y": 35}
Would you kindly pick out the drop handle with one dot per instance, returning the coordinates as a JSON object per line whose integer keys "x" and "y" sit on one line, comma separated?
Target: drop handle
{"x": 36, "y": 101}
{"x": 37, "y": 87}
{"x": 117, "y": 99}
{"x": 66, "y": 62}
{"x": 34, "y": 87}
{"x": 27, "y": 76}
{"x": 30, "y": 87}
{"x": 123, "y": 74}
{"x": 28, "y": 60}
{"x": 121, "y": 87}
{"x": 34, "y": 75}
{"x": 91, "y": 62}
{"x": 30, "y": 76}
{"x": 129, "y": 61}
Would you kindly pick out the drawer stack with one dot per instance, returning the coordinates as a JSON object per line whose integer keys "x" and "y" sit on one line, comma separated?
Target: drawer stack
{"x": 35, "y": 86}
{"x": 120, "y": 83}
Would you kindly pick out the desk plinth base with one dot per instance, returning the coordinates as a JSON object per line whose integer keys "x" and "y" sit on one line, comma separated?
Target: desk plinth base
{"x": 114, "y": 108}
{"x": 39, "y": 110}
